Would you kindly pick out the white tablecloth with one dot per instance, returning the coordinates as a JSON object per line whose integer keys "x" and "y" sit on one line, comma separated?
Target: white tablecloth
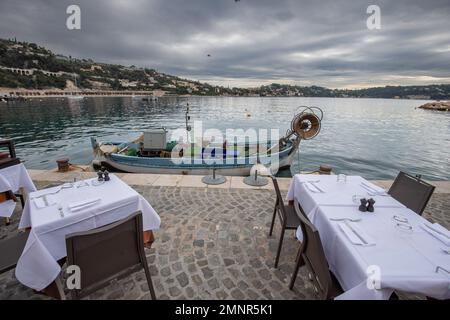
{"x": 335, "y": 194}
{"x": 399, "y": 260}
{"x": 12, "y": 179}
{"x": 37, "y": 266}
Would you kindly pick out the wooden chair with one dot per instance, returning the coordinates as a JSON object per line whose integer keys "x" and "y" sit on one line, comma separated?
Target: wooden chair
{"x": 10, "y": 251}
{"x": 8, "y": 160}
{"x": 287, "y": 215}
{"x": 107, "y": 252}
{"x": 312, "y": 255}
{"x": 7, "y": 195}
{"x": 411, "y": 191}
{"x": 10, "y": 145}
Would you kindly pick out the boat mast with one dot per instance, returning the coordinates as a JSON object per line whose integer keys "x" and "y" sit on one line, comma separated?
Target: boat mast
{"x": 188, "y": 127}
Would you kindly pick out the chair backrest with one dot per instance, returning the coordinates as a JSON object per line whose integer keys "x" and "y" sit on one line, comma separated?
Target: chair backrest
{"x": 314, "y": 256}
{"x": 105, "y": 252}
{"x": 411, "y": 191}
{"x": 8, "y": 162}
{"x": 280, "y": 201}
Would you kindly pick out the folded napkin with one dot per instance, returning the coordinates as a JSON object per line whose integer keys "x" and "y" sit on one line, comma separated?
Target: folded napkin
{"x": 80, "y": 205}
{"x": 311, "y": 187}
{"x": 355, "y": 234}
{"x": 437, "y": 231}
{"x": 44, "y": 201}
{"x": 373, "y": 189}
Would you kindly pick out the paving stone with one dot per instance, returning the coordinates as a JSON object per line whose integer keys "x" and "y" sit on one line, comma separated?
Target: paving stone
{"x": 228, "y": 283}
{"x": 252, "y": 295}
{"x": 165, "y": 271}
{"x": 214, "y": 261}
{"x": 192, "y": 268}
{"x": 237, "y": 294}
{"x": 207, "y": 272}
{"x": 202, "y": 263}
{"x": 249, "y": 272}
{"x": 183, "y": 279}
{"x": 265, "y": 274}
{"x": 197, "y": 279}
{"x": 242, "y": 285}
{"x": 275, "y": 285}
{"x": 189, "y": 292}
{"x": 228, "y": 262}
{"x": 199, "y": 254}
{"x": 199, "y": 243}
{"x": 257, "y": 284}
{"x": 189, "y": 259}
{"x": 177, "y": 266}
{"x": 255, "y": 263}
{"x": 174, "y": 291}
{"x": 213, "y": 284}
{"x": 221, "y": 295}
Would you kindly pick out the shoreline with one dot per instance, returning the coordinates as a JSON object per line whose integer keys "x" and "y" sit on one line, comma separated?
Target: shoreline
{"x": 6, "y": 96}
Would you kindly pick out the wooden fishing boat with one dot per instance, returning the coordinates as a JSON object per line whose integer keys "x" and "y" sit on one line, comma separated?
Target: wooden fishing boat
{"x": 151, "y": 153}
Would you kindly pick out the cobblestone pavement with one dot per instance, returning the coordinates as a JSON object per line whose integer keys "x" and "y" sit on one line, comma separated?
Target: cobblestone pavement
{"x": 213, "y": 244}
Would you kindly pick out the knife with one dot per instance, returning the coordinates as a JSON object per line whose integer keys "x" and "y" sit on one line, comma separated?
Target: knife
{"x": 369, "y": 190}
{"x": 355, "y": 233}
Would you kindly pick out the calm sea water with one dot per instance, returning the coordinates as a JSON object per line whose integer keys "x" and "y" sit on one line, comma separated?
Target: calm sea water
{"x": 374, "y": 138}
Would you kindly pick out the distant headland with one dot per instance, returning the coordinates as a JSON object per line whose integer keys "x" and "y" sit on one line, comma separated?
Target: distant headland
{"x": 27, "y": 69}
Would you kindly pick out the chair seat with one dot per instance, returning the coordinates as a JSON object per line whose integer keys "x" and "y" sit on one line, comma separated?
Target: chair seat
{"x": 11, "y": 250}
{"x": 336, "y": 288}
{"x": 292, "y": 218}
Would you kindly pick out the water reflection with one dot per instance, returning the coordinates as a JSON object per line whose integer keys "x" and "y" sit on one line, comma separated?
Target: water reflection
{"x": 371, "y": 137}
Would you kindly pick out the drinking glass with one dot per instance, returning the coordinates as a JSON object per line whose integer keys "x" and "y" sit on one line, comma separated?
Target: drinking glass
{"x": 341, "y": 178}
{"x": 357, "y": 198}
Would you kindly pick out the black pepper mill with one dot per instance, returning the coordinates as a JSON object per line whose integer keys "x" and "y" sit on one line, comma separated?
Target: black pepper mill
{"x": 106, "y": 175}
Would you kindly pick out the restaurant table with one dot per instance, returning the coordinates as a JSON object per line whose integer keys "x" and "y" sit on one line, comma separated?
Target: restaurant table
{"x": 81, "y": 206}
{"x": 14, "y": 178}
{"x": 399, "y": 253}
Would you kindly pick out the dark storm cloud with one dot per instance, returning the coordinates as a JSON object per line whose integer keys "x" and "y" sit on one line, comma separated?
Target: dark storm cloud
{"x": 251, "y": 42}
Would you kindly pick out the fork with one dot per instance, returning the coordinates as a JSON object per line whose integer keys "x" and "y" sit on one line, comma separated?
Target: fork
{"x": 55, "y": 192}
{"x": 346, "y": 219}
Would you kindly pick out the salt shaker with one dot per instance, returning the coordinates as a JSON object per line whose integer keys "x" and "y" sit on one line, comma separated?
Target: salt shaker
{"x": 363, "y": 206}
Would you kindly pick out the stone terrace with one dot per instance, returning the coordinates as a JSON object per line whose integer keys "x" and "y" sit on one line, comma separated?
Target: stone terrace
{"x": 213, "y": 244}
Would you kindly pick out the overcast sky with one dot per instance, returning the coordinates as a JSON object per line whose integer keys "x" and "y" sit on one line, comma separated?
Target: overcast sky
{"x": 250, "y": 42}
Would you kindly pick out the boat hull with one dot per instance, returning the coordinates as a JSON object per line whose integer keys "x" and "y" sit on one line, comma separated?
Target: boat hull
{"x": 243, "y": 170}
{"x": 129, "y": 164}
